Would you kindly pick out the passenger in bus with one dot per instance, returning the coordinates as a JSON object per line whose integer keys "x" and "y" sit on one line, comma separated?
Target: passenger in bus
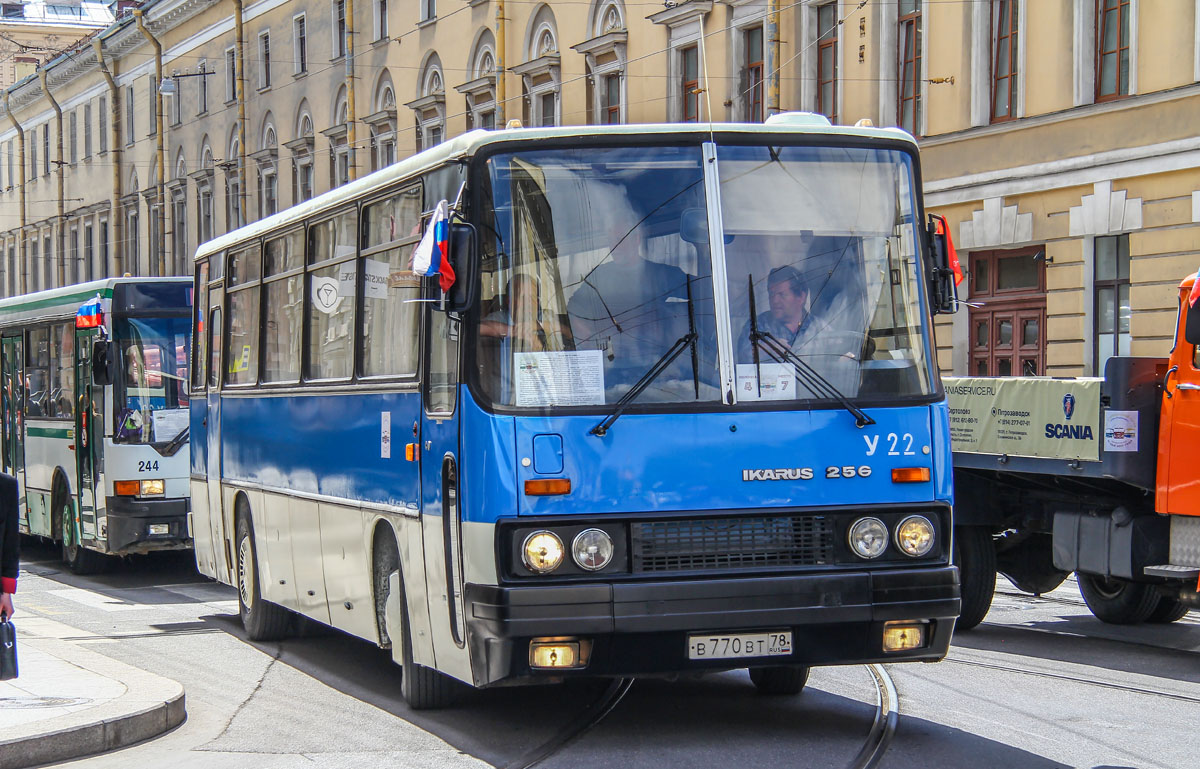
{"x": 629, "y": 306}
{"x": 521, "y": 318}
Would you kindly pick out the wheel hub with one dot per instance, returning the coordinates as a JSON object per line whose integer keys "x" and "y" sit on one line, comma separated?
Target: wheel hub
{"x": 246, "y": 573}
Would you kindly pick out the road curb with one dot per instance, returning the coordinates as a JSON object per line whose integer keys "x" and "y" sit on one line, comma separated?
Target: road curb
{"x": 150, "y": 706}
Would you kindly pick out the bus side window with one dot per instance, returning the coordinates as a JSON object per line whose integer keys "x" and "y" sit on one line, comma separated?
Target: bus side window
{"x": 37, "y": 373}
{"x": 441, "y": 383}
{"x": 62, "y": 387}
{"x": 214, "y": 344}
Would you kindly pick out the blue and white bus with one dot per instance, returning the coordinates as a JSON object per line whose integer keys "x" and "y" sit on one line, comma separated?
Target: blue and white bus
{"x": 617, "y": 445}
{"x": 94, "y": 389}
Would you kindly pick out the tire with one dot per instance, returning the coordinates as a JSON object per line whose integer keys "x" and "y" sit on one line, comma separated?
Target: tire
{"x": 78, "y": 558}
{"x": 975, "y": 555}
{"x": 263, "y": 620}
{"x": 1168, "y": 610}
{"x": 1116, "y": 601}
{"x": 422, "y": 688}
{"x": 779, "y": 680}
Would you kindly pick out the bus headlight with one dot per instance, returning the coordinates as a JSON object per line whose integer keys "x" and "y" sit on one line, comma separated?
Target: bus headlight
{"x": 914, "y": 536}
{"x": 592, "y": 549}
{"x": 152, "y": 488}
{"x": 868, "y": 537}
{"x": 542, "y": 552}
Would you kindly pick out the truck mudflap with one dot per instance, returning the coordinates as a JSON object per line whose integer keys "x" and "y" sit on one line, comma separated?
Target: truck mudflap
{"x": 1111, "y": 545}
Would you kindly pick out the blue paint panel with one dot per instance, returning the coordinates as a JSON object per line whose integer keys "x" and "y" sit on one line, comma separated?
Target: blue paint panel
{"x": 323, "y": 444}
{"x": 943, "y": 482}
{"x": 488, "y": 463}
{"x": 667, "y": 462}
{"x": 547, "y": 454}
{"x": 198, "y": 434}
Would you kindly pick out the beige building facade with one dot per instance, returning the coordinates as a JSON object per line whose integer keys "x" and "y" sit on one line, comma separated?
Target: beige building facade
{"x": 1058, "y": 136}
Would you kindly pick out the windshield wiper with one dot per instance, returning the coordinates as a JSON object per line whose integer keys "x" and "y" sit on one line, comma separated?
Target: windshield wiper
{"x": 687, "y": 340}
{"x": 806, "y": 374}
{"x": 169, "y": 448}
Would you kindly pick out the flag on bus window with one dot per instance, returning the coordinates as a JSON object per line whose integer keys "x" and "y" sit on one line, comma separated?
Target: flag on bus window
{"x": 90, "y": 314}
{"x": 432, "y": 254}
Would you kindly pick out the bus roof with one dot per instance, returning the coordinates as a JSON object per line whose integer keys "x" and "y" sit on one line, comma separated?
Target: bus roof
{"x": 468, "y": 144}
{"x": 66, "y": 300}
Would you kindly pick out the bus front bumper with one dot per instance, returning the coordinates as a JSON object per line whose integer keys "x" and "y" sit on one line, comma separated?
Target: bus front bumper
{"x": 146, "y": 525}
{"x": 642, "y": 628}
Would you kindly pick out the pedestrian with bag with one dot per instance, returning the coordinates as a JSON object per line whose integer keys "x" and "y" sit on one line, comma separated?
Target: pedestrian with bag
{"x": 9, "y": 557}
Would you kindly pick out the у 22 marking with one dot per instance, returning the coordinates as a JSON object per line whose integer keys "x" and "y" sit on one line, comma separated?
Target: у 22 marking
{"x": 898, "y": 445}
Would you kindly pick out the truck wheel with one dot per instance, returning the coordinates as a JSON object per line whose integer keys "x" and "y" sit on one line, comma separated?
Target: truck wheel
{"x": 780, "y": 679}
{"x": 1168, "y": 610}
{"x": 1117, "y": 601}
{"x": 263, "y": 620}
{"x": 975, "y": 554}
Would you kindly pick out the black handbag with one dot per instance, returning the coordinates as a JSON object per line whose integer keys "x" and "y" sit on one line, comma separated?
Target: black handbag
{"x": 8, "y": 649}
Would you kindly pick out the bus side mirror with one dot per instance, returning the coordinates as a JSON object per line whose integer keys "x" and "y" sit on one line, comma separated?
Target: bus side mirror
{"x": 942, "y": 267}
{"x": 1191, "y": 324}
{"x": 101, "y": 363}
{"x": 464, "y": 257}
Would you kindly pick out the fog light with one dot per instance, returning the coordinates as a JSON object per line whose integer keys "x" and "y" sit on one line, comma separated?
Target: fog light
{"x": 160, "y": 529}
{"x": 868, "y": 537}
{"x": 914, "y": 536}
{"x": 546, "y": 654}
{"x": 902, "y": 636}
{"x": 592, "y": 549}
{"x": 542, "y": 552}
{"x": 152, "y": 488}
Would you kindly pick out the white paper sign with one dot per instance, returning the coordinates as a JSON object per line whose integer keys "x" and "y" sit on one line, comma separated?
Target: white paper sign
{"x": 168, "y": 423}
{"x": 573, "y": 378}
{"x": 777, "y": 382}
{"x": 375, "y": 279}
{"x": 385, "y": 434}
{"x": 1120, "y": 431}
{"x": 325, "y": 294}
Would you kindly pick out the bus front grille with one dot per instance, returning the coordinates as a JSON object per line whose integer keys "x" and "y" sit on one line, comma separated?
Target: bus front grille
{"x": 731, "y": 543}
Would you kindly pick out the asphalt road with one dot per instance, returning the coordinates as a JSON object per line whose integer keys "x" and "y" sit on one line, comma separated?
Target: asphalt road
{"x": 1040, "y": 684}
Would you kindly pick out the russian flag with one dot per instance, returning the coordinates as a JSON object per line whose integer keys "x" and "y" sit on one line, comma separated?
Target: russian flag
{"x": 432, "y": 254}
{"x": 90, "y": 314}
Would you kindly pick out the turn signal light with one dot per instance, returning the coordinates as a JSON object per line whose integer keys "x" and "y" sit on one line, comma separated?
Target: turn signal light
{"x": 910, "y": 474}
{"x": 902, "y": 636}
{"x": 547, "y": 487}
{"x": 127, "y": 488}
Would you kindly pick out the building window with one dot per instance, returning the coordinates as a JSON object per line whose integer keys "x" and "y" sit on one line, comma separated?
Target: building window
{"x": 179, "y": 234}
{"x": 205, "y": 214}
{"x": 89, "y": 252}
{"x": 264, "y": 60}
{"x": 233, "y": 202}
{"x": 612, "y": 99}
{"x": 752, "y": 74}
{"x": 202, "y": 96}
{"x": 1111, "y": 288}
{"x": 910, "y": 65}
{"x": 268, "y": 192}
{"x": 87, "y": 130}
{"x": 104, "y": 120}
{"x": 33, "y": 153}
{"x": 72, "y": 271}
{"x": 381, "y": 20}
{"x": 45, "y": 149}
{"x": 230, "y": 74}
{"x": 133, "y": 245}
{"x": 300, "y": 41}
{"x": 152, "y": 102}
{"x": 24, "y": 66}
{"x": 548, "y": 109}
{"x": 74, "y": 143}
{"x": 304, "y": 178}
{"x": 1004, "y": 62}
{"x": 339, "y": 29}
{"x": 690, "y": 69}
{"x": 1112, "y": 49}
{"x": 428, "y": 10}
{"x": 176, "y": 102}
{"x": 827, "y": 61}
{"x": 102, "y": 239}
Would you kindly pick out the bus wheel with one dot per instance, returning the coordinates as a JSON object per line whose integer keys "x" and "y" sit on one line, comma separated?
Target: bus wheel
{"x": 263, "y": 620}
{"x": 1116, "y": 601}
{"x": 975, "y": 554}
{"x": 1168, "y": 610}
{"x": 423, "y": 688}
{"x": 780, "y": 679}
{"x": 78, "y": 558}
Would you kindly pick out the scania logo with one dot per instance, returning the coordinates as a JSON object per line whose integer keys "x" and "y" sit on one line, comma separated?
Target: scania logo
{"x": 1068, "y": 406}
{"x": 779, "y": 474}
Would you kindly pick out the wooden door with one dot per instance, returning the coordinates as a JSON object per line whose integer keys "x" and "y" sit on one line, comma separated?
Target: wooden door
{"x": 1008, "y": 319}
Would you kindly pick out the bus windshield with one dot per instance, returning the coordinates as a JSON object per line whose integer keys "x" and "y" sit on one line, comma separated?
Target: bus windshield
{"x": 601, "y": 271}
{"x": 151, "y": 386}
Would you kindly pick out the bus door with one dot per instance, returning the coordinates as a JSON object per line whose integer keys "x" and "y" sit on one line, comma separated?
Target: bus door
{"x": 216, "y": 516}
{"x": 89, "y": 430}
{"x": 12, "y": 374}
{"x": 441, "y": 524}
